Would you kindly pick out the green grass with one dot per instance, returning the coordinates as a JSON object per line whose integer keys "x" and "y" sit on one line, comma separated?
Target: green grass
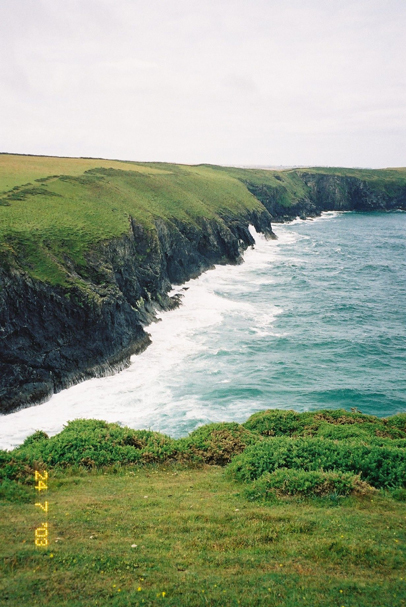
{"x": 310, "y": 534}
{"x": 200, "y": 541}
{"x": 67, "y": 215}
{"x": 55, "y": 211}
{"x": 18, "y": 170}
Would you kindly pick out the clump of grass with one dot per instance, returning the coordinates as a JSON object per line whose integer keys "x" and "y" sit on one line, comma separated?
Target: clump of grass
{"x": 306, "y": 483}
{"x": 216, "y": 443}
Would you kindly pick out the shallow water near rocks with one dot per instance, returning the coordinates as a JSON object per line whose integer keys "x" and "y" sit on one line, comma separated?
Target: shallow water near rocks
{"x": 316, "y": 319}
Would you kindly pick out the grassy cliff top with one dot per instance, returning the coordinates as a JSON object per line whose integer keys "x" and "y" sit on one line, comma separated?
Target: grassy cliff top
{"x": 56, "y": 208}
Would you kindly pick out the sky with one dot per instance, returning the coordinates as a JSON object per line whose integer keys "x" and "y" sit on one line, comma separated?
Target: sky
{"x": 233, "y": 82}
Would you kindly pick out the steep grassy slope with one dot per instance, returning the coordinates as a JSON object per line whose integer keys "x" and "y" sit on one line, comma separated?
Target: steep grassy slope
{"x": 307, "y": 192}
{"x": 54, "y": 209}
{"x": 71, "y": 205}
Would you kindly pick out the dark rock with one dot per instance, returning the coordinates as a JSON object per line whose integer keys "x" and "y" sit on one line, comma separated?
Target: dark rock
{"x": 52, "y": 337}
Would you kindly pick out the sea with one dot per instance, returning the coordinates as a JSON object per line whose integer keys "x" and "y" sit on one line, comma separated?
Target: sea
{"x": 313, "y": 320}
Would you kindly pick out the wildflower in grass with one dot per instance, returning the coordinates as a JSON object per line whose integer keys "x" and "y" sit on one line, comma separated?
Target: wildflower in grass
{"x": 164, "y": 593}
{"x": 139, "y": 588}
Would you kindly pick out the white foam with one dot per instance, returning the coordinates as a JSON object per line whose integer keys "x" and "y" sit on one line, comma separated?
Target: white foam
{"x": 152, "y": 392}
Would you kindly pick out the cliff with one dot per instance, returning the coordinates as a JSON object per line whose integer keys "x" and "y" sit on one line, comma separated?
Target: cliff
{"x": 326, "y": 190}
{"x": 88, "y": 255}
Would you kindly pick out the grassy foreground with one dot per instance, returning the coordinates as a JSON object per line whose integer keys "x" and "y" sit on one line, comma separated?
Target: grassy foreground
{"x": 176, "y": 536}
{"x": 287, "y": 509}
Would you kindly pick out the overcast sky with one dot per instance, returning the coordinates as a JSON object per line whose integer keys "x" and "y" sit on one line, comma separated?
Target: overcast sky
{"x": 246, "y": 82}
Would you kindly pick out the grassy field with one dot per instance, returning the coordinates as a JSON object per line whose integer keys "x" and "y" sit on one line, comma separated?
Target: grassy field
{"x": 67, "y": 206}
{"x": 178, "y": 536}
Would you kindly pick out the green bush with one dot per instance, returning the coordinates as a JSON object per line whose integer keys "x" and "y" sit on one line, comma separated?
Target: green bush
{"x": 37, "y": 437}
{"x": 95, "y": 443}
{"x": 275, "y": 422}
{"x": 337, "y": 424}
{"x": 285, "y": 481}
{"x": 14, "y": 466}
{"x": 216, "y": 443}
{"x": 397, "y": 422}
{"x": 380, "y": 466}
{"x": 92, "y": 443}
{"x": 322, "y": 441}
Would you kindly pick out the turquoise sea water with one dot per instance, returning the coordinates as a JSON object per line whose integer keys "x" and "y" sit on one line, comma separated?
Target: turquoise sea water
{"x": 339, "y": 339}
{"x": 316, "y": 319}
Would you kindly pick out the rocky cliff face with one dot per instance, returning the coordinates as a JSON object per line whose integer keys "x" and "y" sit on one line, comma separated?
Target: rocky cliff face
{"x": 326, "y": 192}
{"x": 52, "y": 337}
{"x": 339, "y": 193}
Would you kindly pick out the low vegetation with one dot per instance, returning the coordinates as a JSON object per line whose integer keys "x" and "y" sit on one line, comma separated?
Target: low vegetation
{"x": 287, "y": 509}
{"x": 271, "y": 443}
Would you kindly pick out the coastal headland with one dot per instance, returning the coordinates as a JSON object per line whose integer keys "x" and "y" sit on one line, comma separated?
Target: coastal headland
{"x": 89, "y": 249}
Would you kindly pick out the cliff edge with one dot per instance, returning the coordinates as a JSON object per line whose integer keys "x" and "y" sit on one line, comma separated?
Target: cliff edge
{"x": 89, "y": 250}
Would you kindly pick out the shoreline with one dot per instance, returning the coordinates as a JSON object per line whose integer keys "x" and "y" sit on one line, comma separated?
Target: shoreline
{"x": 136, "y": 365}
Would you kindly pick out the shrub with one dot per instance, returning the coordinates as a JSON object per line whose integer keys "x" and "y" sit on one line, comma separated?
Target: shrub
{"x": 337, "y": 424}
{"x": 275, "y": 422}
{"x": 37, "y": 437}
{"x": 397, "y": 422}
{"x": 380, "y": 466}
{"x": 216, "y": 443}
{"x": 399, "y": 494}
{"x": 285, "y": 481}
{"x": 91, "y": 443}
{"x": 96, "y": 443}
{"x": 14, "y": 466}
